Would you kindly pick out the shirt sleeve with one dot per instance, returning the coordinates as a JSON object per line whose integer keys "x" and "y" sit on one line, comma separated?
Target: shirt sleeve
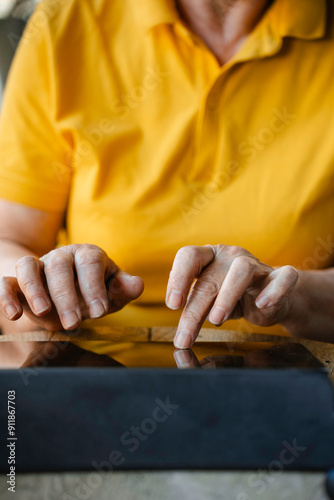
{"x": 35, "y": 155}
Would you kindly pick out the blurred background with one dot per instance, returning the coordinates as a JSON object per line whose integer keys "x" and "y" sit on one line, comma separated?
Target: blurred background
{"x": 13, "y": 17}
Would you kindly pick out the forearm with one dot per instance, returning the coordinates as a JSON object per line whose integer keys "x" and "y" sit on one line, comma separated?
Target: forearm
{"x": 311, "y": 311}
{"x": 10, "y": 253}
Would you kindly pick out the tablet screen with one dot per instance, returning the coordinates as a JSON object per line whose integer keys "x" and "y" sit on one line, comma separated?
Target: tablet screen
{"x": 203, "y": 355}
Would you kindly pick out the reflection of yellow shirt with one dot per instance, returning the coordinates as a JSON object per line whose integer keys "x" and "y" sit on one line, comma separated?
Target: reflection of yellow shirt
{"x": 115, "y": 111}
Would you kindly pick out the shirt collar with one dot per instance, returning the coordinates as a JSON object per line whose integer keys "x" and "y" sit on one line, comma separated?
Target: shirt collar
{"x": 305, "y": 19}
{"x": 301, "y": 19}
{"x": 155, "y": 12}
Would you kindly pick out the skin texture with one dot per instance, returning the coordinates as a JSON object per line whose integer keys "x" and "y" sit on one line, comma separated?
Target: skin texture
{"x": 68, "y": 285}
{"x": 41, "y": 287}
{"x": 223, "y": 25}
{"x": 230, "y": 283}
{"x": 50, "y": 288}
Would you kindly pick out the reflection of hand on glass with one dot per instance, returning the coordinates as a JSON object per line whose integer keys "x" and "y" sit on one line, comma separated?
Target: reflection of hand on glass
{"x": 280, "y": 356}
{"x": 13, "y": 354}
{"x": 187, "y": 359}
{"x": 54, "y": 354}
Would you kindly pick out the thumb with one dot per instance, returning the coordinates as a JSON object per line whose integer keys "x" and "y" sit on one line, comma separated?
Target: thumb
{"x": 123, "y": 288}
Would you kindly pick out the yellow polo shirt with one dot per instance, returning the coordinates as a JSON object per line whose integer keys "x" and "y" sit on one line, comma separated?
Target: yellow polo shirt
{"x": 119, "y": 116}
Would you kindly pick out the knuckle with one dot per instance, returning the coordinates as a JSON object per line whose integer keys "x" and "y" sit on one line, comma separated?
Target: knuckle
{"x": 243, "y": 262}
{"x": 175, "y": 276}
{"x": 27, "y": 283}
{"x": 87, "y": 247}
{"x": 220, "y": 248}
{"x": 91, "y": 247}
{"x": 189, "y": 252}
{"x": 207, "y": 287}
{"x": 290, "y": 270}
{"x": 192, "y": 315}
{"x": 25, "y": 262}
{"x": 236, "y": 251}
{"x": 27, "y": 273}
{"x": 55, "y": 262}
{"x": 74, "y": 247}
{"x": 5, "y": 282}
{"x": 66, "y": 297}
{"x": 58, "y": 295}
{"x": 6, "y": 289}
{"x": 89, "y": 255}
{"x": 90, "y": 292}
{"x": 291, "y": 273}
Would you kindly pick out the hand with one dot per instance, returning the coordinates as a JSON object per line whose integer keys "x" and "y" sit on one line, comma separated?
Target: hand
{"x": 230, "y": 283}
{"x": 186, "y": 358}
{"x": 51, "y": 354}
{"x": 66, "y": 286}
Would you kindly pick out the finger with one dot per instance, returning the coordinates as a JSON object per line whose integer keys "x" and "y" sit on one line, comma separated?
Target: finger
{"x": 208, "y": 363}
{"x": 10, "y": 304}
{"x": 29, "y": 277}
{"x": 59, "y": 273}
{"x": 43, "y": 355}
{"x": 243, "y": 272}
{"x": 220, "y": 361}
{"x": 188, "y": 264}
{"x": 92, "y": 266}
{"x": 200, "y": 301}
{"x": 283, "y": 281}
{"x": 186, "y": 359}
{"x": 122, "y": 288}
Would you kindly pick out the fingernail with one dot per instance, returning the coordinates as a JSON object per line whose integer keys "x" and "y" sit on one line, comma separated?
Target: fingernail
{"x": 182, "y": 358}
{"x": 183, "y": 340}
{"x": 96, "y": 309}
{"x": 128, "y": 276}
{"x": 263, "y": 301}
{"x": 217, "y": 315}
{"x": 40, "y": 305}
{"x": 69, "y": 319}
{"x": 11, "y": 312}
{"x": 174, "y": 300}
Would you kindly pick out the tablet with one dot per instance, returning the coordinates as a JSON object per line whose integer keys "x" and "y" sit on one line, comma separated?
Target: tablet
{"x": 108, "y": 406}
{"x": 203, "y": 355}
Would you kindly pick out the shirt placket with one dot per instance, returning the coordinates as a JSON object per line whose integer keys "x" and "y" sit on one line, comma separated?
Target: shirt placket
{"x": 210, "y": 119}
{"x": 208, "y": 127}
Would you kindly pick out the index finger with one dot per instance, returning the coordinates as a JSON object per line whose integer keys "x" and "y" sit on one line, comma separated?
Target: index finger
{"x": 188, "y": 265}
{"x": 186, "y": 359}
